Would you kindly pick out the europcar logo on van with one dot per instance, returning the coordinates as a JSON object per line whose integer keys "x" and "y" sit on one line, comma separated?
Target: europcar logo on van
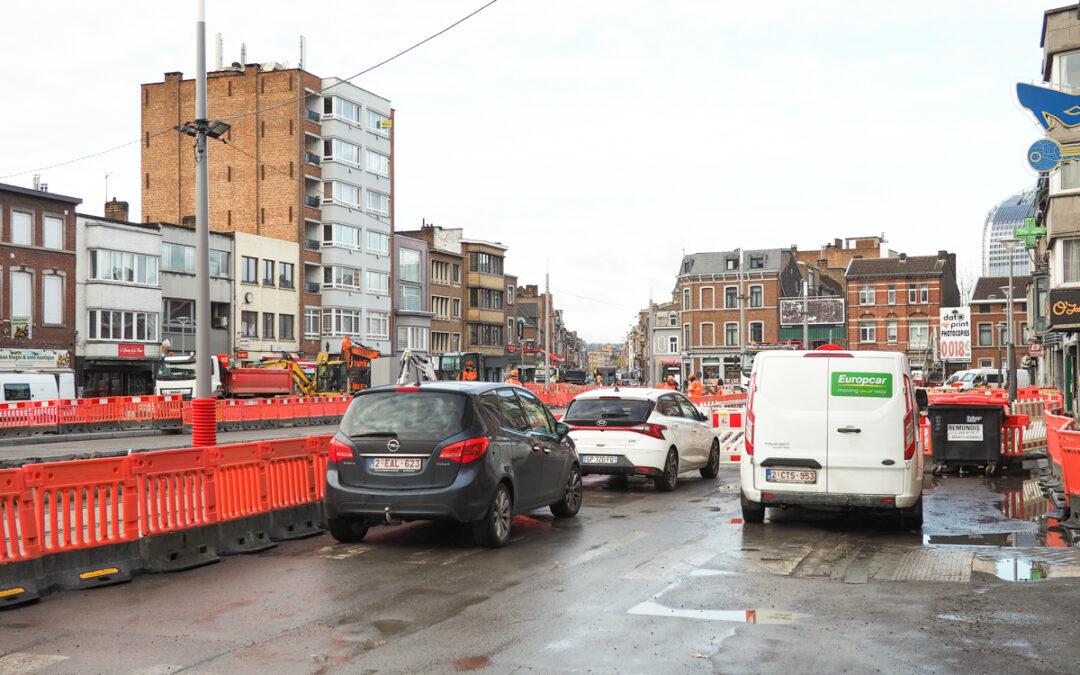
{"x": 874, "y": 385}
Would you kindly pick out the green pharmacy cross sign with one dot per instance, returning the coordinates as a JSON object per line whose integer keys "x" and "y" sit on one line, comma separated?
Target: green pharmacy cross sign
{"x": 1030, "y": 232}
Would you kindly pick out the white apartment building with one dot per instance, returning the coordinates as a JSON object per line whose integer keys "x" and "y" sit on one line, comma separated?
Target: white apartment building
{"x": 118, "y": 305}
{"x": 265, "y": 295}
{"x": 355, "y": 233}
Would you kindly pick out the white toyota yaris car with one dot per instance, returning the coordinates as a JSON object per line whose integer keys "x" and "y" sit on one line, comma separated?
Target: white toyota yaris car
{"x": 656, "y": 433}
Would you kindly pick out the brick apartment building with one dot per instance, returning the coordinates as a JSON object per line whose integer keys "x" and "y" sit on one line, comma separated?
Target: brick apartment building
{"x": 833, "y": 259}
{"x": 988, "y": 320}
{"x": 486, "y": 310}
{"x": 447, "y": 287}
{"x": 37, "y": 306}
{"x": 310, "y": 168}
{"x": 709, "y": 296}
{"x": 894, "y": 303}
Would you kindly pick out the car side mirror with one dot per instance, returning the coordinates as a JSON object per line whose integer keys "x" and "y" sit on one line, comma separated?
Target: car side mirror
{"x": 921, "y": 399}
{"x": 562, "y": 430}
{"x": 702, "y": 417}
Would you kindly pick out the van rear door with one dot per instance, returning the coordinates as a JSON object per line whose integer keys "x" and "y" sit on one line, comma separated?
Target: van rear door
{"x": 790, "y": 422}
{"x": 866, "y": 425}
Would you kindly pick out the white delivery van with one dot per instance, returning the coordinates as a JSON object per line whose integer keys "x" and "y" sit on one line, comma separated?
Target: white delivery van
{"x": 36, "y": 386}
{"x": 832, "y": 429}
{"x": 977, "y": 377}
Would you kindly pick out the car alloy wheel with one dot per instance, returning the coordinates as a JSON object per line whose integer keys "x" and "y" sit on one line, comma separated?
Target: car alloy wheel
{"x": 670, "y": 479}
{"x": 568, "y": 506}
{"x": 501, "y": 515}
{"x": 712, "y": 469}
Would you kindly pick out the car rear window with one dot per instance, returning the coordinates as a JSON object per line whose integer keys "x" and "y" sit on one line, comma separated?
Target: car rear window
{"x": 614, "y": 411}
{"x": 420, "y": 414}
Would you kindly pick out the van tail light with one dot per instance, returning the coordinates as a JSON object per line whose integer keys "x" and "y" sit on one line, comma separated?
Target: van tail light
{"x": 648, "y": 429}
{"x": 909, "y": 421}
{"x": 748, "y": 429}
{"x": 339, "y": 452}
{"x": 464, "y": 452}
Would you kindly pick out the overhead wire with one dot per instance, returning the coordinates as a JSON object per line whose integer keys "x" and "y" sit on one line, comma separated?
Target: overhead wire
{"x": 155, "y": 134}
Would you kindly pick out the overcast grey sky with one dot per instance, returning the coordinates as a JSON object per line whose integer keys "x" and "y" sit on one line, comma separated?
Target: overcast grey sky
{"x": 608, "y": 136}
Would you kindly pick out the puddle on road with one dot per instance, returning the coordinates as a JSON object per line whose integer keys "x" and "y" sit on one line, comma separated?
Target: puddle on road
{"x": 751, "y": 616}
{"x": 1019, "y": 569}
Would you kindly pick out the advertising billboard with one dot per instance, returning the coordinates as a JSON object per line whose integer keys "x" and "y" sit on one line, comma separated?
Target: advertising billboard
{"x": 955, "y": 343}
{"x": 821, "y": 311}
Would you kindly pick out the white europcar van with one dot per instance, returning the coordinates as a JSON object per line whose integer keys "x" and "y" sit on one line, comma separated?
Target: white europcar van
{"x": 832, "y": 429}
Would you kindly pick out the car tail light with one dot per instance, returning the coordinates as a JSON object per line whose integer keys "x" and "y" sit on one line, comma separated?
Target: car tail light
{"x": 909, "y": 421}
{"x": 466, "y": 451}
{"x": 654, "y": 430}
{"x": 748, "y": 431}
{"x": 406, "y": 389}
{"x": 339, "y": 451}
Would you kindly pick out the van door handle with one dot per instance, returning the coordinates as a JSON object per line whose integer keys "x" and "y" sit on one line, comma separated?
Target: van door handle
{"x": 849, "y": 430}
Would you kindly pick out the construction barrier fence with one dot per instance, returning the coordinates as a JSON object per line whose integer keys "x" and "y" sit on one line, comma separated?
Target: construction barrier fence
{"x": 94, "y": 522}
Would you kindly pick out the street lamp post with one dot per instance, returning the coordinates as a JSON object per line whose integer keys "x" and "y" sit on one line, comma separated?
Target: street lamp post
{"x": 1010, "y": 246}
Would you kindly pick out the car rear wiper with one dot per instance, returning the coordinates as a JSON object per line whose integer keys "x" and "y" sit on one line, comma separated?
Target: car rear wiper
{"x": 376, "y": 434}
{"x": 610, "y": 415}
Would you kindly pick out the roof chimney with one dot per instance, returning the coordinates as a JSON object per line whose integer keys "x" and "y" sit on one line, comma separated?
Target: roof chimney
{"x": 943, "y": 255}
{"x": 903, "y": 257}
{"x": 217, "y": 51}
{"x": 838, "y": 243}
{"x": 116, "y": 210}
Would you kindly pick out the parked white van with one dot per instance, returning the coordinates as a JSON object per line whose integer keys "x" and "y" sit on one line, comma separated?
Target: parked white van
{"x": 977, "y": 377}
{"x": 36, "y": 386}
{"x": 832, "y": 429}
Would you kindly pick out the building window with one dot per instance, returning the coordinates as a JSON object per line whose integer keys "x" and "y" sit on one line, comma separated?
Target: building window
{"x": 924, "y": 294}
{"x": 378, "y": 123}
{"x": 377, "y": 202}
{"x": 268, "y": 273}
{"x": 455, "y": 308}
{"x": 378, "y": 282}
{"x": 52, "y": 291}
{"x": 455, "y": 342}
{"x": 440, "y": 342}
{"x": 485, "y": 263}
{"x": 311, "y": 322}
{"x": 132, "y": 268}
{"x": 731, "y": 334}
{"x": 345, "y": 236}
{"x": 867, "y": 331}
{"x": 377, "y": 163}
{"x": 22, "y": 296}
{"x": 984, "y": 309}
{"x": 249, "y": 273}
{"x": 892, "y": 295}
{"x": 342, "y": 193}
{"x": 456, "y": 275}
{"x": 485, "y": 335}
{"x": 686, "y": 299}
{"x": 268, "y": 325}
{"x": 342, "y": 109}
{"x": 708, "y": 336}
{"x": 285, "y": 327}
{"x": 509, "y": 295}
{"x": 686, "y": 335}
{"x": 733, "y": 263}
{"x": 249, "y": 324}
{"x": 341, "y": 321}
{"x": 986, "y": 363}
{"x": 378, "y": 325}
{"x": 178, "y": 258}
{"x": 342, "y": 277}
{"x": 485, "y": 298}
{"x": 179, "y": 316}
{"x": 412, "y": 337}
{"x": 757, "y": 296}
{"x": 892, "y": 331}
{"x": 219, "y": 263}
{"x": 731, "y": 297}
{"x": 116, "y": 325}
{"x": 285, "y": 275}
{"x": 867, "y": 296}
{"x": 377, "y": 242}
{"x": 706, "y": 297}
{"x": 1067, "y": 70}
{"x": 912, "y": 294}
{"x": 918, "y": 334}
{"x": 409, "y": 297}
{"x": 22, "y": 228}
{"x": 441, "y": 307}
{"x": 409, "y": 261}
{"x": 986, "y": 335}
{"x": 757, "y": 262}
{"x": 673, "y": 320}
{"x": 756, "y": 331}
{"x": 440, "y": 272}
{"x": 673, "y": 344}
{"x": 53, "y": 233}
{"x": 337, "y": 150}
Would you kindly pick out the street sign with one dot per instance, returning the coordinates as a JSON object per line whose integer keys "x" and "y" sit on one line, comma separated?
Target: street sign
{"x": 1064, "y": 308}
{"x": 1035, "y": 349}
{"x": 955, "y": 343}
{"x": 1044, "y": 155}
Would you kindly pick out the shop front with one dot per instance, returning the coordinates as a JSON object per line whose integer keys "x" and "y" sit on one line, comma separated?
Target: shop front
{"x": 119, "y": 369}
{"x": 1064, "y": 321}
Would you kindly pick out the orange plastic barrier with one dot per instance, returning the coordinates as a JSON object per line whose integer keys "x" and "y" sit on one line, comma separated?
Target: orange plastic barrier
{"x": 172, "y": 489}
{"x": 291, "y": 473}
{"x": 239, "y": 483}
{"x": 319, "y": 447}
{"x": 18, "y": 530}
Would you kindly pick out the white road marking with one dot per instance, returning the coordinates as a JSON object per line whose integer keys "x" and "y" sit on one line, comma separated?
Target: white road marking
{"x": 343, "y": 552}
{"x": 25, "y": 662}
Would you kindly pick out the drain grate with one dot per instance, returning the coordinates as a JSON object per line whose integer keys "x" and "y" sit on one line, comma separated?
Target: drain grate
{"x": 935, "y": 565}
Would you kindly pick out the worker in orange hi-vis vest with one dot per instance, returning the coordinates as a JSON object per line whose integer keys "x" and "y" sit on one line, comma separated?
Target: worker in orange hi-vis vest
{"x": 513, "y": 378}
{"x": 469, "y": 374}
{"x": 669, "y": 383}
{"x": 696, "y": 388}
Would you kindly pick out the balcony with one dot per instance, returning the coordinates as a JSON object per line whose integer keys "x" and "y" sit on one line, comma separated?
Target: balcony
{"x": 313, "y": 116}
{"x": 312, "y": 201}
{"x": 312, "y": 158}
{"x": 311, "y": 287}
{"x": 311, "y": 244}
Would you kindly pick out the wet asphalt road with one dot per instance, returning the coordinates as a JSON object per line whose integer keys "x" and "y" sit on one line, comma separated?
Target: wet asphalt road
{"x": 640, "y": 582}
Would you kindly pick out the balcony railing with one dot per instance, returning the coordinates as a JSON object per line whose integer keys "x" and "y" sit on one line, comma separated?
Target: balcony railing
{"x": 312, "y": 158}
{"x": 313, "y": 202}
{"x": 311, "y": 287}
{"x": 311, "y": 244}
{"x": 313, "y": 116}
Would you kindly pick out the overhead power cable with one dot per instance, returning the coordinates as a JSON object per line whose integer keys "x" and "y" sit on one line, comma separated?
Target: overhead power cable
{"x": 262, "y": 110}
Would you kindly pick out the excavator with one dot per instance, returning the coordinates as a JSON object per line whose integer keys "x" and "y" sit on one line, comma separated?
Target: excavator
{"x": 349, "y": 374}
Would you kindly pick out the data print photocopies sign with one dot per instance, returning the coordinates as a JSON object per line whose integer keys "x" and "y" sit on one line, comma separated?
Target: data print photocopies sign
{"x": 955, "y": 334}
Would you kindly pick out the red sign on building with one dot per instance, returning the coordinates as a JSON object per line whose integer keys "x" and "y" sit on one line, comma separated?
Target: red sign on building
{"x": 130, "y": 351}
